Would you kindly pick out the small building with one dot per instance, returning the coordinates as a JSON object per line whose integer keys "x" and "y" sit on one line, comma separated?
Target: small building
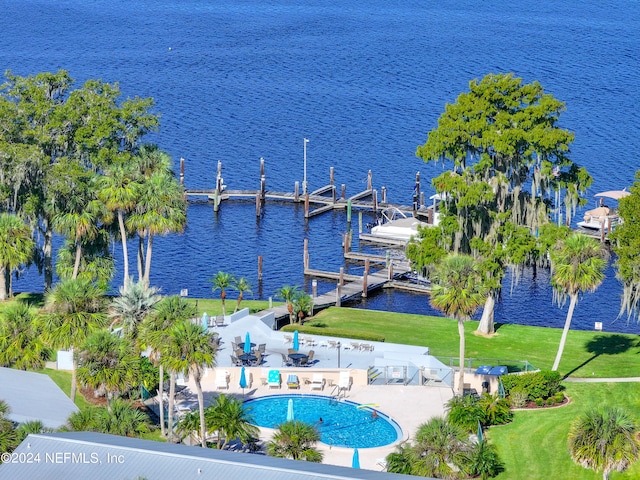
{"x": 81, "y": 455}
{"x": 34, "y": 396}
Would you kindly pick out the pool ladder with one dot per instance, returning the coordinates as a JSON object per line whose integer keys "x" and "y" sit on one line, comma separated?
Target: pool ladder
{"x": 341, "y": 392}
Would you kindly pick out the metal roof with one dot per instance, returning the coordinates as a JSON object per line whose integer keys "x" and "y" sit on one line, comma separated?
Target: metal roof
{"x": 34, "y": 396}
{"x": 69, "y": 455}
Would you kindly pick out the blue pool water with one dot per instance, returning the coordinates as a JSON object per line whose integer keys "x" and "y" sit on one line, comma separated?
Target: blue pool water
{"x": 343, "y": 423}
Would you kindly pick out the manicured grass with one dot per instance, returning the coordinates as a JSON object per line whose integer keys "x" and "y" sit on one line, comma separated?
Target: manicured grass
{"x": 586, "y": 354}
{"x": 63, "y": 380}
{"x": 534, "y": 445}
{"x": 214, "y": 306}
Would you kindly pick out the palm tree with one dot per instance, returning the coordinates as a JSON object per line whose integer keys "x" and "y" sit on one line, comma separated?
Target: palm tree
{"x": 604, "y": 440}
{"x": 577, "y": 265}
{"x": 231, "y": 419}
{"x": 119, "y": 192}
{"x": 74, "y": 309}
{"x": 21, "y": 344}
{"x": 108, "y": 362}
{"x": 122, "y": 419}
{"x": 241, "y": 286}
{"x": 189, "y": 351}
{"x": 295, "y": 440}
{"x": 154, "y": 334}
{"x": 302, "y": 306}
{"x": 458, "y": 291}
{"x": 135, "y": 303}
{"x": 484, "y": 460}
{"x": 16, "y": 248}
{"x": 32, "y": 426}
{"x": 221, "y": 281}
{"x": 288, "y": 294}
{"x": 441, "y": 449}
{"x": 9, "y": 437}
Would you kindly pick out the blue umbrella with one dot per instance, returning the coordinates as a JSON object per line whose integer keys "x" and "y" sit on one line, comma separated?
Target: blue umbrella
{"x": 296, "y": 345}
{"x": 247, "y": 343}
{"x": 355, "y": 461}
{"x": 205, "y": 322}
{"x": 243, "y": 380}
{"x": 290, "y": 411}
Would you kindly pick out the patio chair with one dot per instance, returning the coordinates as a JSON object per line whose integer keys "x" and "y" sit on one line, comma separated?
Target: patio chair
{"x": 258, "y": 360}
{"x": 220, "y": 321}
{"x": 264, "y": 375}
{"x": 344, "y": 381}
{"x": 317, "y": 382}
{"x": 291, "y": 350}
{"x": 236, "y": 361}
{"x": 273, "y": 380}
{"x": 222, "y": 379}
{"x": 293, "y": 382}
{"x": 366, "y": 347}
{"x": 288, "y": 339}
{"x": 333, "y": 343}
{"x": 238, "y": 340}
{"x": 262, "y": 348}
{"x": 285, "y": 360}
{"x": 309, "y": 360}
{"x": 354, "y": 346}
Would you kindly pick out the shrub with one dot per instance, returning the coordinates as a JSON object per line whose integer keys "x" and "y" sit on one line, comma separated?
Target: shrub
{"x": 551, "y": 401}
{"x": 465, "y": 412}
{"x": 539, "y": 401}
{"x": 495, "y": 410}
{"x": 542, "y": 384}
{"x": 518, "y": 397}
{"x": 559, "y": 397}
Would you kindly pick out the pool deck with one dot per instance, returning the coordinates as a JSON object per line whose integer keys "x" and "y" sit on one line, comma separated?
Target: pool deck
{"x": 409, "y": 406}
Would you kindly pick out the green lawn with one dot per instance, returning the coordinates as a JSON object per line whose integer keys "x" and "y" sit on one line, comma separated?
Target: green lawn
{"x": 586, "y": 354}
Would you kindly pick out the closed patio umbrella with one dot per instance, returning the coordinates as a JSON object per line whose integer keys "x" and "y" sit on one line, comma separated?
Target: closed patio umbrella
{"x": 296, "y": 344}
{"x": 205, "y": 322}
{"x": 243, "y": 380}
{"x": 247, "y": 343}
{"x": 355, "y": 461}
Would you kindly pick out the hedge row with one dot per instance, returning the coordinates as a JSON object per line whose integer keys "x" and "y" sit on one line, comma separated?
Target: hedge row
{"x": 542, "y": 384}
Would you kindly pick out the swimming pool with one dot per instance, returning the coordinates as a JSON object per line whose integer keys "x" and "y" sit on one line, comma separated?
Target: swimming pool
{"x": 343, "y": 423}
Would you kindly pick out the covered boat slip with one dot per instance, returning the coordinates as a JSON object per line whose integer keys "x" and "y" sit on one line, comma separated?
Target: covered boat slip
{"x": 602, "y": 219}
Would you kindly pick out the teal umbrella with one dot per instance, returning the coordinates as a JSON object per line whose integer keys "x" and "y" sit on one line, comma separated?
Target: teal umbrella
{"x": 205, "y": 322}
{"x": 247, "y": 343}
{"x": 355, "y": 461}
{"x": 243, "y": 380}
{"x": 296, "y": 344}
{"x": 290, "y": 411}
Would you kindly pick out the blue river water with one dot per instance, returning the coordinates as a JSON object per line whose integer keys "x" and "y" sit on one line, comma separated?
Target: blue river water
{"x": 364, "y": 81}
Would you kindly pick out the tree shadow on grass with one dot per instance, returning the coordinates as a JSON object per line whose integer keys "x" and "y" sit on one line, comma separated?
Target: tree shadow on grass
{"x": 605, "y": 345}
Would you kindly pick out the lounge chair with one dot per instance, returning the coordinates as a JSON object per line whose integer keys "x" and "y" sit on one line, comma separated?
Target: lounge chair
{"x": 344, "y": 381}
{"x": 292, "y": 382}
{"x": 317, "y": 382}
{"x": 310, "y": 341}
{"x": 366, "y": 347}
{"x": 288, "y": 339}
{"x": 273, "y": 380}
{"x": 222, "y": 379}
{"x": 262, "y": 348}
{"x": 333, "y": 343}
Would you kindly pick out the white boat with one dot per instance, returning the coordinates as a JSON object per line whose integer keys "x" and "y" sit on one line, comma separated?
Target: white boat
{"x": 396, "y": 225}
{"x": 603, "y": 218}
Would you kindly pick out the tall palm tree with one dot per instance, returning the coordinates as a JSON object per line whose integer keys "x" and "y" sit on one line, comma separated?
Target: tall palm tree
{"x": 302, "y": 306}
{"x": 288, "y": 294}
{"x": 457, "y": 290}
{"x": 155, "y": 335}
{"x": 231, "y": 419}
{"x": 108, "y": 362}
{"x": 74, "y": 309}
{"x": 118, "y": 190}
{"x": 604, "y": 440}
{"x": 21, "y": 344}
{"x": 9, "y": 437}
{"x": 221, "y": 281}
{"x": 189, "y": 351}
{"x": 242, "y": 286}
{"x": 295, "y": 440}
{"x": 16, "y": 248}
{"x": 577, "y": 265}
{"x": 135, "y": 303}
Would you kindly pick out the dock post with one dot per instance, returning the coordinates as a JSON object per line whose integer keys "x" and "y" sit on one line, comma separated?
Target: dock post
{"x": 306, "y": 205}
{"x": 387, "y": 258}
{"x": 259, "y": 268}
{"x": 341, "y": 281}
{"x": 331, "y": 176}
{"x": 314, "y": 288}
{"x": 181, "y": 172}
{"x": 343, "y": 192}
{"x": 421, "y": 200}
{"x": 391, "y": 271}
{"x": 258, "y": 203}
{"x": 296, "y": 192}
{"x": 375, "y": 201}
{"x": 333, "y": 193}
{"x": 305, "y": 260}
{"x": 338, "y": 294}
{"x": 261, "y": 167}
{"x": 416, "y": 194}
{"x": 263, "y": 189}
{"x": 369, "y": 180}
{"x": 216, "y": 200}
{"x": 349, "y": 211}
{"x": 383, "y": 194}
{"x": 359, "y": 222}
{"x": 364, "y": 278}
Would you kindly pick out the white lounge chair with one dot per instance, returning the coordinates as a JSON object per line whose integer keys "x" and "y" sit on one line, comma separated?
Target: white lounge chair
{"x": 222, "y": 379}
{"x": 344, "y": 381}
{"x": 273, "y": 380}
{"x": 317, "y": 382}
